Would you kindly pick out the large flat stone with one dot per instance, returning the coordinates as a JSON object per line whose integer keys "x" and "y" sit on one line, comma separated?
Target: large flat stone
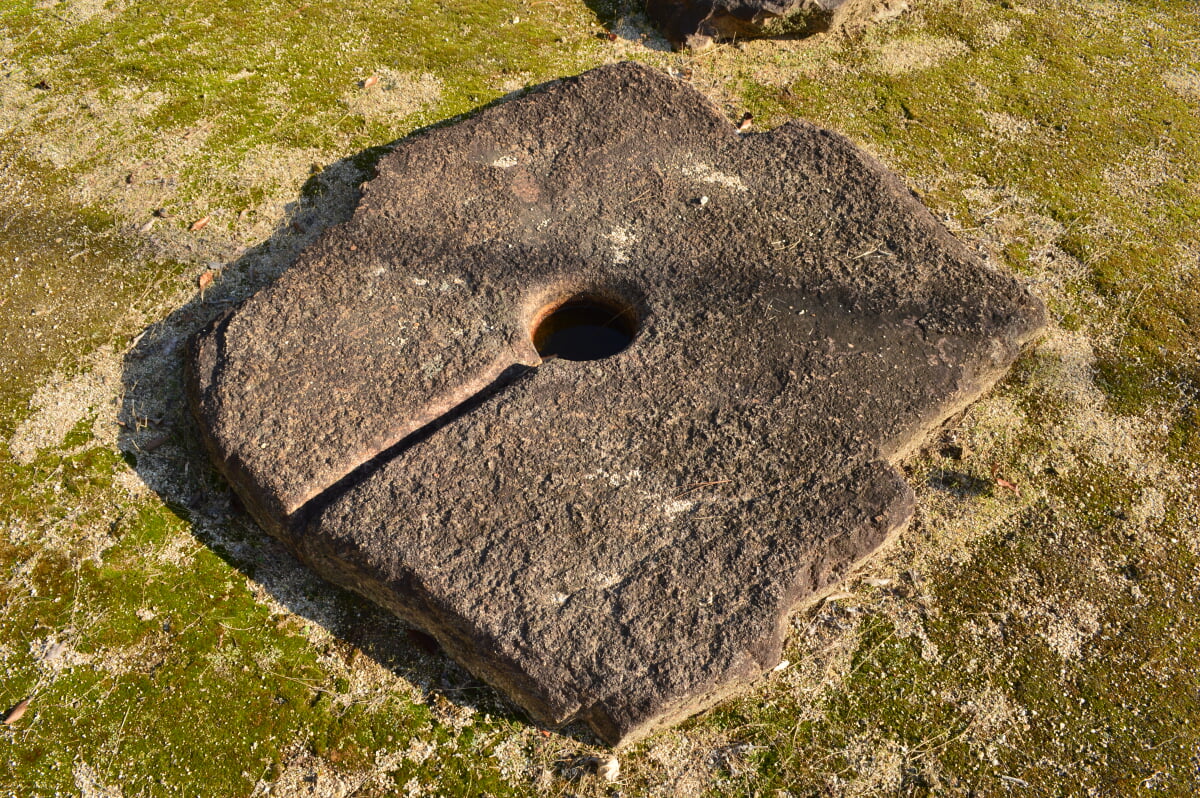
{"x": 617, "y": 540}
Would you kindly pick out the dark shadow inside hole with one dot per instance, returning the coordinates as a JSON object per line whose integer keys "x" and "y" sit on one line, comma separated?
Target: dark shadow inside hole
{"x": 585, "y": 328}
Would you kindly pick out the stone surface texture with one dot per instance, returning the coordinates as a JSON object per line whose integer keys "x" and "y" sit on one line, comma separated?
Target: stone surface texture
{"x": 695, "y": 24}
{"x": 619, "y": 541}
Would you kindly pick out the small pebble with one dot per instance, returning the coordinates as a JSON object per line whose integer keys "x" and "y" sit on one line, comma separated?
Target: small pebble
{"x": 609, "y": 768}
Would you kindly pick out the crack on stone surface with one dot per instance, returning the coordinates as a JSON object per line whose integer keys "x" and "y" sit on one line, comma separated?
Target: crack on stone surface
{"x": 363, "y": 472}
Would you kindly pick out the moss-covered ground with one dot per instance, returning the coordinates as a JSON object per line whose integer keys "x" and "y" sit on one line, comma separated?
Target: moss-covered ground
{"x": 1043, "y": 641}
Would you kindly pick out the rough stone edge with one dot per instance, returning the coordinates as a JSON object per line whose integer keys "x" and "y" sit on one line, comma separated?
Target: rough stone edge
{"x": 269, "y": 515}
{"x": 757, "y": 665}
{"x": 616, "y": 726}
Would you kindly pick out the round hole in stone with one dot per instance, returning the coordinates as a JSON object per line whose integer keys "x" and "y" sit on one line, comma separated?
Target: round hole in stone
{"x": 585, "y": 327}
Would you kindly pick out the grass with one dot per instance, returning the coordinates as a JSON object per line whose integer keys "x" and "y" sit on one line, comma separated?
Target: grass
{"x": 1042, "y": 643}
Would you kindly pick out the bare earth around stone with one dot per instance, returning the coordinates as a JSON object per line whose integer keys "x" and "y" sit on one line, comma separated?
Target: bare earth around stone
{"x": 619, "y": 540}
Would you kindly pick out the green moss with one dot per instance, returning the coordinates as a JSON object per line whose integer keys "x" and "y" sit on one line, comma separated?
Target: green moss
{"x": 1097, "y": 719}
{"x": 238, "y": 76}
{"x": 173, "y": 688}
{"x": 69, "y": 280}
{"x": 179, "y": 679}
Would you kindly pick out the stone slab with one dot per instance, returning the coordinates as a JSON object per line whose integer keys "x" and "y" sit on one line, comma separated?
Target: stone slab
{"x": 617, "y": 540}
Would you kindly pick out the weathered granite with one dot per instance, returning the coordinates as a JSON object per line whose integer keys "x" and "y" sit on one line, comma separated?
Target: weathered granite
{"x": 617, "y": 540}
{"x": 695, "y": 24}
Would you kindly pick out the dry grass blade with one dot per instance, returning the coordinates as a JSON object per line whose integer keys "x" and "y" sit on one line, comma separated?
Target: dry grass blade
{"x": 16, "y": 713}
{"x": 688, "y": 489}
